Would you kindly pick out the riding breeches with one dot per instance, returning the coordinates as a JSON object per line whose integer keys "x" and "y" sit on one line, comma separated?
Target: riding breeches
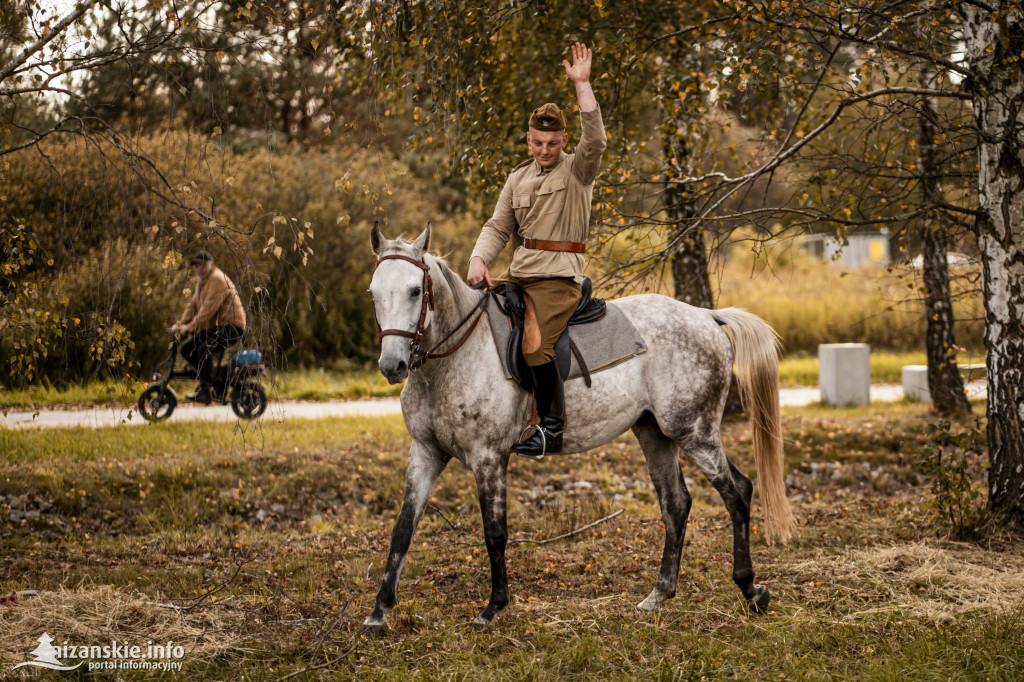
{"x": 199, "y": 350}
{"x": 550, "y": 302}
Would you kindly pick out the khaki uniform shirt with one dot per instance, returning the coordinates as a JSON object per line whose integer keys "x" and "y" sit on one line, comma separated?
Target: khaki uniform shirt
{"x": 552, "y": 205}
{"x": 215, "y": 304}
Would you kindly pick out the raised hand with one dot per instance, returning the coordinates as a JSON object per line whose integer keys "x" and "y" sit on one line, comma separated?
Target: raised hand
{"x": 579, "y": 70}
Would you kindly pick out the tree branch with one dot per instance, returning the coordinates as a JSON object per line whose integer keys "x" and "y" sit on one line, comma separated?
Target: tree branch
{"x": 54, "y": 31}
{"x": 960, "y": 209}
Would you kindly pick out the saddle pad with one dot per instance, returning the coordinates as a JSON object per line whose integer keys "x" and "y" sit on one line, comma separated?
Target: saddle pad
{"x": 603, "y": 344}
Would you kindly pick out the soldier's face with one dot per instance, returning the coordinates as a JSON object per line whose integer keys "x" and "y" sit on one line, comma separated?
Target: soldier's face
{"x": 202, "y": 269}
{"x": 546, "y": 145}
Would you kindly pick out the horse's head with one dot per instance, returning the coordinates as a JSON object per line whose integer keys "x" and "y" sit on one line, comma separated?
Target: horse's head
{"x": 402, "y": 300}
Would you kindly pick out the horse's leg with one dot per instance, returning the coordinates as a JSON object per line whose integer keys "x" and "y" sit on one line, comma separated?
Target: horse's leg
{"x": 490, "y": 485}
{"x": 736, "y": 491}
{"x": 425, "y": 465}
{"x": 663, "y": 466}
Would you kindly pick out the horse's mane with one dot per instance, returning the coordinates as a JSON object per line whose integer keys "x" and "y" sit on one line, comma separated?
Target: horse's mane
{"x": 465, "y": 297}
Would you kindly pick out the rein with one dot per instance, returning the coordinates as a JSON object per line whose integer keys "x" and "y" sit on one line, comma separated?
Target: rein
{"x": 419, "y": 356}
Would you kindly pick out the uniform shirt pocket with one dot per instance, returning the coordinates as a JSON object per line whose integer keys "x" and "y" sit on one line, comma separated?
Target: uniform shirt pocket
{"x": 551, "y": 197}
{"x": 521, "y": 201}
{"x": 551, "y": 186}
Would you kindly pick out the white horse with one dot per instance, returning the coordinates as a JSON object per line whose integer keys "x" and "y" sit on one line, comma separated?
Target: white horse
{"x": 672, "y": 396}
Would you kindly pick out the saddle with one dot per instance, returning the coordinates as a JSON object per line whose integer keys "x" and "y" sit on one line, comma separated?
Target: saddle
{"x": 511, "y": 301}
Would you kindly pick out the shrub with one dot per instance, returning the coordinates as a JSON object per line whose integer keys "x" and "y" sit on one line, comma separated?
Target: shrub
{"x": 955, "y": 463}
{"x": 110, "y": 310}
{"x": 292, "y": 232}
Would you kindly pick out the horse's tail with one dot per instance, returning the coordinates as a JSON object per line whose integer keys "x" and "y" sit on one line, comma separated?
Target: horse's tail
{"x": 757, "y": 346}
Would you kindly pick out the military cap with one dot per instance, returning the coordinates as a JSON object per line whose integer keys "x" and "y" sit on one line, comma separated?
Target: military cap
{"x": 547, "y": 117}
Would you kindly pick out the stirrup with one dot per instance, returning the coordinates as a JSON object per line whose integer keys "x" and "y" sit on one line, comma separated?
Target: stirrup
{"x": 543, "y": 440}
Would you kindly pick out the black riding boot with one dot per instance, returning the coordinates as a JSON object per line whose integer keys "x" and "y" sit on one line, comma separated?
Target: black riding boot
{"x": 546, "y": 437}
{"x": 204, "y": 395}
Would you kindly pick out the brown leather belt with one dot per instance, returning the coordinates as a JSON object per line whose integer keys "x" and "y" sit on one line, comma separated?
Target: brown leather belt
{"x": 543, "y": 245}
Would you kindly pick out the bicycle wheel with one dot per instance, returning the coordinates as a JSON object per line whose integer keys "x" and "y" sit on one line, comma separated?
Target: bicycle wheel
{"x": 155, "y": 408}
{"x": 249, "y": 400}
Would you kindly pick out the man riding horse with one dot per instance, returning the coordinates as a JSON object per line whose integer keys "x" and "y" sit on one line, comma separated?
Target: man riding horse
{"x": 544, "y": 208}
{"x": 672, "y": 396}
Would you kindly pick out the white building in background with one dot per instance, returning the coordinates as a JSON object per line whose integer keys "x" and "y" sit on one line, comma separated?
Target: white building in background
{"x": 871, "y": 248}
{"x": 863, "y": 248}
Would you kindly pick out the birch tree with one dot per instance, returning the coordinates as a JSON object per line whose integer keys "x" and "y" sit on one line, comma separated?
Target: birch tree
{"x": 993, "y": 33}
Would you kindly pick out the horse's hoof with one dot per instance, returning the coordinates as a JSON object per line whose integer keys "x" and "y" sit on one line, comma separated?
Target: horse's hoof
{"x": 479, "y": 623}
{"x": 653, "y": 601}
{"x": 375, "y": 627}
{"x": 486, "y": 618}
{"x": 759, "y": 602}
{"x": 648, "y": 604}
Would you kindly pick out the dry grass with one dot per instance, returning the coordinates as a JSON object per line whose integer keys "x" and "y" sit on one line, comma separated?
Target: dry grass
{"x": 947, "y": 580}
{"x": 98, "y": 615}
{"x": 927, "y": 579}
{"x": 809, "y": 301}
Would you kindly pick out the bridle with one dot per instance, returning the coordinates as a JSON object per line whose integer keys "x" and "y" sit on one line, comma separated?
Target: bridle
{"x": 419, "y": 356}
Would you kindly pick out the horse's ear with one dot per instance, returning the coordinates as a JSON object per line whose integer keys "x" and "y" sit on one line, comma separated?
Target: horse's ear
{"x": 376, "y": 238}
{"x": 422, "y": 243}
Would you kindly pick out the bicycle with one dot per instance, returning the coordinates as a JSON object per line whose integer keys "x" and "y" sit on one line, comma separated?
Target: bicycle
{"x": 239, "y": 383}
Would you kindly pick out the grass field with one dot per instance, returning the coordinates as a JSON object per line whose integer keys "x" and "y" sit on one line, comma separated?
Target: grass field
{"x": 260, "y": 552}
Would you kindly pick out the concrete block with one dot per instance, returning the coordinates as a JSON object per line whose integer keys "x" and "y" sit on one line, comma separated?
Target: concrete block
{"x": 915, "y": 379}
{"x": 915, "y": 383}
{"x": 844, "y": 373}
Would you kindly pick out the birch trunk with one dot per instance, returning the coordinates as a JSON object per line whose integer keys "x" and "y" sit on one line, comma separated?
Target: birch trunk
{"x": 993, "y": 49}
{"x": 690, "y": 259}
{"x": 690, "y": 278}
{"x": 690, "y": 272}
{"x": 944, "y": 381}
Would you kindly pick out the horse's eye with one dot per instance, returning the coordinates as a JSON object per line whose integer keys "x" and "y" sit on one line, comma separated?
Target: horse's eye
{"x": 416, "y": 291}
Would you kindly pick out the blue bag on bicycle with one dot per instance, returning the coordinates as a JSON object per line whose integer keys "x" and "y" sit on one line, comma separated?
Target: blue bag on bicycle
{"x": 247, "y": 357}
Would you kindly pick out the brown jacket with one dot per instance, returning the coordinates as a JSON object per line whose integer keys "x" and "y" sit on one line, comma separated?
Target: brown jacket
{"x": 214, "y": 304}
{"x": 550, "y": 205}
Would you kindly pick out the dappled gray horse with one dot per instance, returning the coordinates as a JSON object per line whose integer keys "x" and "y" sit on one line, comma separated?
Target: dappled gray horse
{"x": 459, "y": 404}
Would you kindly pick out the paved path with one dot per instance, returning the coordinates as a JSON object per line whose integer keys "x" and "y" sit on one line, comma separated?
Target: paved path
{"x": 277, "y": 411}
{"x": 282, "y": 410}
